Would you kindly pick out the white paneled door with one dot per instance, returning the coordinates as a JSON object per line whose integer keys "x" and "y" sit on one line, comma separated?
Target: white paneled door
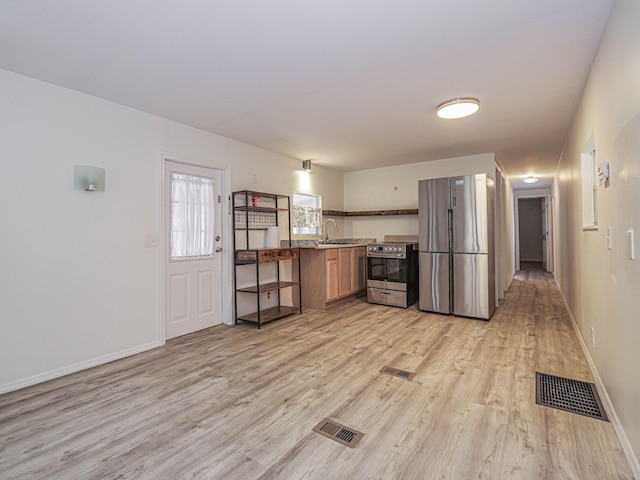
{"x": 192, "y": 248}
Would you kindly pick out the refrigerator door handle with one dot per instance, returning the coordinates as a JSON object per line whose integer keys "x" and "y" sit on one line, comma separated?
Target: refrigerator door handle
{"x": 450, "y": 221}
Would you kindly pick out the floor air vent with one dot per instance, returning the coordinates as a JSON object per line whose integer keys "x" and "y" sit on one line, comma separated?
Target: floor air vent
{"x": 340, "y": 433}
{"x": 396, "y": 372}
{"x": 570, "y": 395}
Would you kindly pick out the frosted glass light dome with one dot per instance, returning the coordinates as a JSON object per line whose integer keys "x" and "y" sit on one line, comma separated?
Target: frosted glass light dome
{"x": 458, "y": 108}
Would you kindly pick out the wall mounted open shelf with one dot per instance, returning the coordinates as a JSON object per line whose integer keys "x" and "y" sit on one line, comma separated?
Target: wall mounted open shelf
{"x": 369, "y": 213}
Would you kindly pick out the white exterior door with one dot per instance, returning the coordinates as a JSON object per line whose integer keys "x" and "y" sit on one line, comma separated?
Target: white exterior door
{"x": 192, "y": 246}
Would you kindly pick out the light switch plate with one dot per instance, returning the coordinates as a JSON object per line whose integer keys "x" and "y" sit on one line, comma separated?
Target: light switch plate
{"x": 151, "y": 240}
{"x": 631, "y": 251}
{"x": 609, "y": 239}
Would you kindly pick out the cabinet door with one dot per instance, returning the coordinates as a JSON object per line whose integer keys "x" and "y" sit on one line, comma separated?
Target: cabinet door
{"x": 359, "y": 267}
{"x": 332, "y": 274}
{"x": 345, "y": 277}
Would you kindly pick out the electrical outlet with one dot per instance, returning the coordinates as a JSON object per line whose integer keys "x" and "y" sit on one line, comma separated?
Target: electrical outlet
{"x": 593, "y": 337}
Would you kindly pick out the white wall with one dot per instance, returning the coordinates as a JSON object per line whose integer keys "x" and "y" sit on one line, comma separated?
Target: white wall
{"x": 78, "y": 287}
{"x": 602, "y": 286}
{"x": 396, "y": 188}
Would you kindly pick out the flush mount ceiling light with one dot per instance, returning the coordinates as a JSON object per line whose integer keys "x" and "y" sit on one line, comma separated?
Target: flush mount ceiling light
{"x": 458, "y": 108}
{"x": 531, "y": 179}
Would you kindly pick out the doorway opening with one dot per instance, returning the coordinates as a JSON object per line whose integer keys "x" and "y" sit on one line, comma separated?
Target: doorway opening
{"x": 533, "y": 245}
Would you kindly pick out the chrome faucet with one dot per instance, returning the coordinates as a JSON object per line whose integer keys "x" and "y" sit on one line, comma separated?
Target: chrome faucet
{"x": 325, "y": 233}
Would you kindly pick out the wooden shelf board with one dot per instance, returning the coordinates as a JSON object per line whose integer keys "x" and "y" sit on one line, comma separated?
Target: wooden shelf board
{"x": 369, "y": 213}
{"x": 252, "y": 193}
{"x": 266, "y": 255}
{"x": 268, "y": 287}
{"x": 270, "y": 314}
{"x": 250, "y": 208}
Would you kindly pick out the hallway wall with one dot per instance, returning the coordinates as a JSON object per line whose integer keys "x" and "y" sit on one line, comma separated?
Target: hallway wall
{"x": 600, "y": 285}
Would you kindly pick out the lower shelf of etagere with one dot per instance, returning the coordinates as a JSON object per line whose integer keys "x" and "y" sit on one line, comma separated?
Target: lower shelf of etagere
{"x": 270, "y": 314}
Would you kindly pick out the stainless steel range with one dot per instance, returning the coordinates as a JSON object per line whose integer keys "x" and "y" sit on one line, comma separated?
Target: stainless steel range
{"x": 392, "y": 273}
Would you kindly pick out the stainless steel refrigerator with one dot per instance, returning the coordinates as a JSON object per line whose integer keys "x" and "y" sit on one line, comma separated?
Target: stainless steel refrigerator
{"x": 456, "y": 253}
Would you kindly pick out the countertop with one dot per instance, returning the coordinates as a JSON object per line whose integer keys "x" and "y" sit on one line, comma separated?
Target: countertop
{"x": 334, "y": 243}
{"x": 326, "y": 246}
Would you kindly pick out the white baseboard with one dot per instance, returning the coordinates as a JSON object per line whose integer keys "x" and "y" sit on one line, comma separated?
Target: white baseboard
{"x": 604, "y": 395}
{"x": 61, "y": 372}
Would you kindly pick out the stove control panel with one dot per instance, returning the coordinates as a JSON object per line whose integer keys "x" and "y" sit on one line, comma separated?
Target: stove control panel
{"x": 389, "y": 250}
{"x": 386, "y": 249}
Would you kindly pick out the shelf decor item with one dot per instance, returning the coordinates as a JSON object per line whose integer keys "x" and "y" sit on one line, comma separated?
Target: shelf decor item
{"x": 266, "y": 270}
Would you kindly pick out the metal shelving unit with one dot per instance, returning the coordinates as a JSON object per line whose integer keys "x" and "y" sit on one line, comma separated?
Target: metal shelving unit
{"x": 253, "y": 214}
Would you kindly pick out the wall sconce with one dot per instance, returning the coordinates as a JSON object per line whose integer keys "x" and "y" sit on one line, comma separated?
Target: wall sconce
{"x": 90, "y": 179}
{"x": 306, "y": 165}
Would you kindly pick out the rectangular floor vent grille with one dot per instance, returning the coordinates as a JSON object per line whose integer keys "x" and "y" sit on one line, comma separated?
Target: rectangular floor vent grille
{"x": 396, "y": 372}
{"x": 571, "y": 395}
{"x": 340, "y": 433}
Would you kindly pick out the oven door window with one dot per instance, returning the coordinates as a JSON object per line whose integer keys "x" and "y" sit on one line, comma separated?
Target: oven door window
{"x": 387, "y": 269}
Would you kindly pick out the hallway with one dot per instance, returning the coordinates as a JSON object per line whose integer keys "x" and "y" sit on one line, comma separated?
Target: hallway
{"x": 239, "y": 403}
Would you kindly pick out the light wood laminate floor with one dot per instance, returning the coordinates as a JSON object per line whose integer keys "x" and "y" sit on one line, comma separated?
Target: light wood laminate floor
{"x": 240, "y": 403}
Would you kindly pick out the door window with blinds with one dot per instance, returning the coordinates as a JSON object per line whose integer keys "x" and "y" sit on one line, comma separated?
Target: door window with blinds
{"x": 192, "y": 216}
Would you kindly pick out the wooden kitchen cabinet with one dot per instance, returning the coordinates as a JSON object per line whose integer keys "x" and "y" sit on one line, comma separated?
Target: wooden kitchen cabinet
{"x": 345, "y": 272}
{"x": 331, "y": 274}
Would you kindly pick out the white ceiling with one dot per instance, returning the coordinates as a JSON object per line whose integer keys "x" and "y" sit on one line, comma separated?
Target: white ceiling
{"x": 351, "y": 84}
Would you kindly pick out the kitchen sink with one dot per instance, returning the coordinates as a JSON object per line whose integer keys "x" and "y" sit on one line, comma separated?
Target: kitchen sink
{"x": 339, "y": 245}
{"x": 345, "y": 242}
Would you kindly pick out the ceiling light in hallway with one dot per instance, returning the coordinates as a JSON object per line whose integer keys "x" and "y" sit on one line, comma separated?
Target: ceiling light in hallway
{"x": 458, "y": 108}
{"x": 531, "y": 179}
